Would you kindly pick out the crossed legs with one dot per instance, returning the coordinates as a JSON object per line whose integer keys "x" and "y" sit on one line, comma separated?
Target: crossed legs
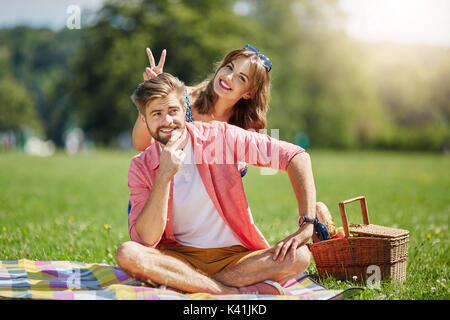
{"x": 146, "y": 264}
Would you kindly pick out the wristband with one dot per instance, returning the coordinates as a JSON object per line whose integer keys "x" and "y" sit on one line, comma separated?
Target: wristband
{"x": 304, "y": 219}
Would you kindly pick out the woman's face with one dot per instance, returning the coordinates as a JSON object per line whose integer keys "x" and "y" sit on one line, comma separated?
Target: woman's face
{"x": 232, "y": 81}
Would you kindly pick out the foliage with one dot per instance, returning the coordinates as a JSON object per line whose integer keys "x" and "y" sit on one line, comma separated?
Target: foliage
{"x": 16, "y": 108}
{"x": 412, "y": 85}
{"x": 110, "y": 63}
{"x": 340, "y": 92}
{"x": 38, "y": 60}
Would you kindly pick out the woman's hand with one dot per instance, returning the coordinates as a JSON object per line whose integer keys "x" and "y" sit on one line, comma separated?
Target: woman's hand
{"x": 154, "y": 70}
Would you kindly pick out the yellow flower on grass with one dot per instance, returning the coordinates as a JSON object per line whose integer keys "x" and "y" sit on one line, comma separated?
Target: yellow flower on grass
{"x": 4, "y": 229}
{"x": 106, "y": 226}
{"x": 429, "y": 236}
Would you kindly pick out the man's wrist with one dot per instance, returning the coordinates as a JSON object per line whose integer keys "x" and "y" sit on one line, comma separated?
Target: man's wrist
{"x": 305, "y": 220}
{"x": 308, "y": 230}
{"x": 162, "y": 178}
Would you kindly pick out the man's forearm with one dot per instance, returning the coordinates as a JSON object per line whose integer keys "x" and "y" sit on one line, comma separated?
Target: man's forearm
{"x": 151, "y": 222}
{"x": 302, "y": 180}
{"x": 300, "y": 173}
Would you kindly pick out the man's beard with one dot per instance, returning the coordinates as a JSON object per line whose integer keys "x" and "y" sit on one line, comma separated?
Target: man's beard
{"x": 161, "y": 137}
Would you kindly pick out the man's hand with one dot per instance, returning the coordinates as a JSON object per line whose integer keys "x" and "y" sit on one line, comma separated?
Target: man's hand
{"x": 154, "y": 70}
{"x": 151, "y": 222}
{"x": 172, "y": 155}
{"x": 289, "y": 245}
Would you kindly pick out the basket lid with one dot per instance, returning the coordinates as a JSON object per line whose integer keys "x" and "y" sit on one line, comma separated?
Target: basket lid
{"x": 377, "y": 231}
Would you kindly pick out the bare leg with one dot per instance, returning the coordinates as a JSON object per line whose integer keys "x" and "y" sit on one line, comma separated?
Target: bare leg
{"x": 262, "y": 267}
{"x": 146, "y": 264}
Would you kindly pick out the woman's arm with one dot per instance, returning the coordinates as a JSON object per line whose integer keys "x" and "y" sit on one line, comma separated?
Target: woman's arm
{"x": 141, "y": 137}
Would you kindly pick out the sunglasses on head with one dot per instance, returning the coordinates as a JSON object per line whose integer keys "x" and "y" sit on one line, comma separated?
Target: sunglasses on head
{"x": 266, "y": 62}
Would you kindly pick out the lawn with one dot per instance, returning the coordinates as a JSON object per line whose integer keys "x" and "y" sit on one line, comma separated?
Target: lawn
{"x": 74, "y": 208}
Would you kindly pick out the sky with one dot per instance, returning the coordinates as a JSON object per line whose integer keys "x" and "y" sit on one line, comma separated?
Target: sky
{"x": 401, "y": 21}
{"x": 41, "y": 13}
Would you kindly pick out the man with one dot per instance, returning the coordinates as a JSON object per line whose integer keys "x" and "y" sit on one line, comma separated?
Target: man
{"x": 190, "y": 225}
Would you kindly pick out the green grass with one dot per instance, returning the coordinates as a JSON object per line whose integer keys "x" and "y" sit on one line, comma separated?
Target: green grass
{"x": 74, "y": 208}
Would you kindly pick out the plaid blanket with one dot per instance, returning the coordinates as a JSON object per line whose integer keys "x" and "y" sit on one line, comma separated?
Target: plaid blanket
{"x": 69, "y": 280}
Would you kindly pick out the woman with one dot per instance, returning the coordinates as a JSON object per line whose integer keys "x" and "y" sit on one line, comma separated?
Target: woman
{"x": 238, "y": 93}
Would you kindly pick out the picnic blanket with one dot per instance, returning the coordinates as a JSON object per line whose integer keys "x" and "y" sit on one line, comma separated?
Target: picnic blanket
{"x": 70, "y": 280}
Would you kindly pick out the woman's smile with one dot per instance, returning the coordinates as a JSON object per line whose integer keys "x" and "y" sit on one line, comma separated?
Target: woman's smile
{"x": 224, "y": 85}
{"x": 232, "y": 80}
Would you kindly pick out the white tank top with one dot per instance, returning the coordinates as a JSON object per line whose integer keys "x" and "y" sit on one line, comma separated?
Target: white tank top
{"x": 196, "y": 222}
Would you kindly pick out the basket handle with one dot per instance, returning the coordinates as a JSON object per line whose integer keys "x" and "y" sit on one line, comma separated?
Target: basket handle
{"x": 342, "y": 204}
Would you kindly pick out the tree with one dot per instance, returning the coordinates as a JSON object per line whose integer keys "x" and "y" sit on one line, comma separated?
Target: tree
{"x": 340, "y": 92}
{"x": 110, "y": 62}
{"x": 38, "y": 59}
{"x": 318, "y": 86}
{"x": 16, "y": 108}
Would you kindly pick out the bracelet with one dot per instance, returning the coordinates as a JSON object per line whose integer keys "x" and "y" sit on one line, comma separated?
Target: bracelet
{"x": 304, "y": 219}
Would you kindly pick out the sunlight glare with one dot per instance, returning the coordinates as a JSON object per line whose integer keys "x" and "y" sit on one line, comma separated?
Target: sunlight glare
{"x": 404, "y": 21}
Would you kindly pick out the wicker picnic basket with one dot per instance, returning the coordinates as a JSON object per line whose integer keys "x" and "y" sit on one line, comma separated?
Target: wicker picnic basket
{"x": 356, "y": 256}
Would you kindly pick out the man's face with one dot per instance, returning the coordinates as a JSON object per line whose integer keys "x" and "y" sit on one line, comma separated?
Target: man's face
{"x": 165, "y": 115}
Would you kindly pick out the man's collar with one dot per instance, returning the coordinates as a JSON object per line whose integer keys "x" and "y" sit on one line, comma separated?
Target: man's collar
{"x": 159, "y": 147}
{"x": 154, "y": 152}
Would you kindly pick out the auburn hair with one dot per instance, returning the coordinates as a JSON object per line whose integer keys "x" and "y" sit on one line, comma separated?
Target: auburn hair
{"x": 247, "y": 113}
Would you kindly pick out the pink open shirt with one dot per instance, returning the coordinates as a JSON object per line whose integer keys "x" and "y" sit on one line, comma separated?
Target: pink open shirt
{"x": 218, "y": 147}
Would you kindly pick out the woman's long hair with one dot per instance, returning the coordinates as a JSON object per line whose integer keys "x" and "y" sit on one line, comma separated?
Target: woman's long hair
{"x": 247, "y": 113}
